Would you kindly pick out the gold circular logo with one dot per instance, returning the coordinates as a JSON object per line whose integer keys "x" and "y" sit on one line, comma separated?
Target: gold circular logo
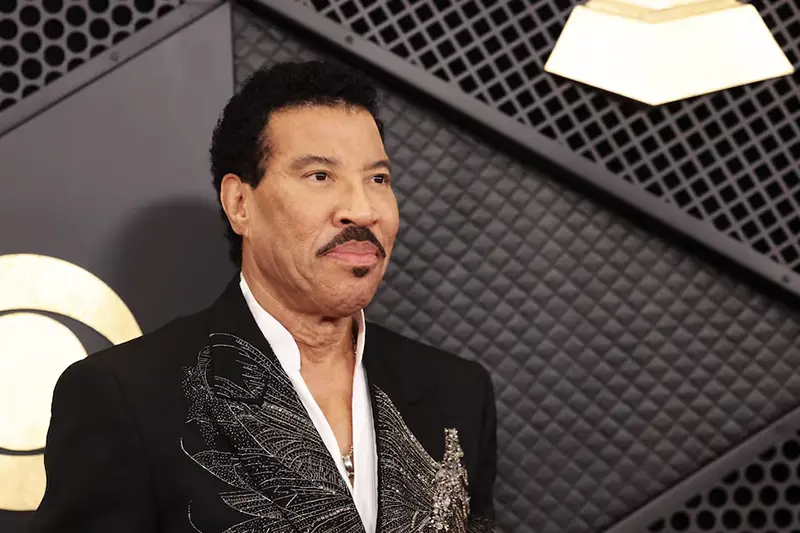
{"x": 35, "y": 349}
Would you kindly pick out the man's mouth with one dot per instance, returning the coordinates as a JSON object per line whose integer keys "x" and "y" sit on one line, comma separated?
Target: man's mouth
{"x": 354, "y": 240}
{"x": 356, "y": 253}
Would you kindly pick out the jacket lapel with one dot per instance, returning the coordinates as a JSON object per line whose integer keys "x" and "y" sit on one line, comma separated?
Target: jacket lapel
{"x": 405, "y": 387}
{"x": 273, "y": 455}
{"x": 408, "y": 436}
{"x": 422, "y": 482}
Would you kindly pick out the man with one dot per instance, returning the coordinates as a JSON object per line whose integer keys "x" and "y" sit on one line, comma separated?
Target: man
{"x": 278, "y": 409}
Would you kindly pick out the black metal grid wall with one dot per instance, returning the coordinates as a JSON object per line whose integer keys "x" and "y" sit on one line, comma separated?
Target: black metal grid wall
{"x": 731, "y": 159}
{"x": 621, "y": 364}
{"x": 42, "y": 40}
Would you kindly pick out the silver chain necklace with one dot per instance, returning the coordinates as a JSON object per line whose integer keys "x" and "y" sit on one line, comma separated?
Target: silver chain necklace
{"x": 348, "y": 464}
{"x": 347, "y": 459}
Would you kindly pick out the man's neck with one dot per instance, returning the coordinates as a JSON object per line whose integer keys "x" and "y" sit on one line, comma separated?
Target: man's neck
{"x": 320, "y": 339}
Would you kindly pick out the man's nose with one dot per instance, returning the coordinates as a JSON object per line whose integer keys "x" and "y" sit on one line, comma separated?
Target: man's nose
{"x": 356, "y": 209}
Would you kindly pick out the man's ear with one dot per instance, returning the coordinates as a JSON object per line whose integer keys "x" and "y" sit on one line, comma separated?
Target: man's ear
{"x": 234, "y": 197}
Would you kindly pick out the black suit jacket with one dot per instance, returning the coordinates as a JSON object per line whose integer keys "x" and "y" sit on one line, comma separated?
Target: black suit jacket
{"x": 196, "y": 428}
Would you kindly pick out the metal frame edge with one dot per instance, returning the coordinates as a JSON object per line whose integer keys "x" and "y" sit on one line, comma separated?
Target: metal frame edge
{"x": 675, "y": 497}
{"x": 100, "y": 65}
{"x": 537, "y": 144}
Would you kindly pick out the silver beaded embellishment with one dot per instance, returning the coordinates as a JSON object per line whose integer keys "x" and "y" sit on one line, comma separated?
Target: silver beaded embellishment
{"x": 450, "y": 482}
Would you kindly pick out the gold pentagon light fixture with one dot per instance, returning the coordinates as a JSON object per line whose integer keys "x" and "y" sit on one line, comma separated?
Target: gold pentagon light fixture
{"x": 660, "y": 51}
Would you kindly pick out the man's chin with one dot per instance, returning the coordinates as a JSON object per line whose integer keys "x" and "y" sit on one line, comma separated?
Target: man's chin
{"x": 357, "y": 293}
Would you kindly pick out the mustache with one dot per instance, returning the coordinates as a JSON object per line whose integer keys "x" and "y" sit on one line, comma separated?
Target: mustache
{"x": 353, "y": 233}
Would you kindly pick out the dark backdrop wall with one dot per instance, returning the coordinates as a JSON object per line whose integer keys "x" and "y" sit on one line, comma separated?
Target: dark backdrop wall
{"x": 629, "y": 370}
{"x": 114, "y": 177}
{"x": 623, "y": 362}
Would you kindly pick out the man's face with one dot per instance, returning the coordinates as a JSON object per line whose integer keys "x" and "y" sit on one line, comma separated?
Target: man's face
{"x": 324, "y": 217}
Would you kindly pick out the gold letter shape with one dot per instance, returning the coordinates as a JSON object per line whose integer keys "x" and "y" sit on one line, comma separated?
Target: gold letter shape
{"x": 35, "y": 350}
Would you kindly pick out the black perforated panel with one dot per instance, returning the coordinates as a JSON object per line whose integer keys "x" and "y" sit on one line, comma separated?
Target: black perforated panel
{"x": 761, "y": 496}
{"x": 41, "y": 40}
{"x": 730, "y": 158}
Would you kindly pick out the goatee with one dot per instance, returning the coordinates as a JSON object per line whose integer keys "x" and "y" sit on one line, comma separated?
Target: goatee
{"x": 360, "y": 272}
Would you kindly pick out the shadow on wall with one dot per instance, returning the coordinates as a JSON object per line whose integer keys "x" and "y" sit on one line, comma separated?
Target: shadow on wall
{"x": 171, "y": 259}
{"x": 15, "y": 521}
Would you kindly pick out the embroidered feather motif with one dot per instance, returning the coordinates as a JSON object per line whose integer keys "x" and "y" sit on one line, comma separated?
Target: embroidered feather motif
{"x": 262, "y": 443}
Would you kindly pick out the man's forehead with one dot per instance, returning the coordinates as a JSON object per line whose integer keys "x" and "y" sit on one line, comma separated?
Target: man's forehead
{"x": 320, "y": 114}
{"x": 336, "y": 132}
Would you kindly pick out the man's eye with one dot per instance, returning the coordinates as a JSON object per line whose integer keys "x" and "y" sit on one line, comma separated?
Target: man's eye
{"x": 381, "y": 178}
{"x": 319, "y": 176}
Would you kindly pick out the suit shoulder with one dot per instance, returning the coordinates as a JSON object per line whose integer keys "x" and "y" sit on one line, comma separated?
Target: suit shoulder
{"x": 421, "y": 355}
{"x": 151, "y": 350}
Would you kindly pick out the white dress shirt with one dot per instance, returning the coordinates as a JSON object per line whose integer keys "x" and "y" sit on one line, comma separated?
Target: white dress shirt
{"x": 365, "y": 456}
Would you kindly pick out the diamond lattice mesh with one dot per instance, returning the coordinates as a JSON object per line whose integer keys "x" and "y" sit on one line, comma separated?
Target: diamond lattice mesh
{"x": 621, "y": 363}
{"x": 731, "y": 158}
{"x": 43, "y": 40}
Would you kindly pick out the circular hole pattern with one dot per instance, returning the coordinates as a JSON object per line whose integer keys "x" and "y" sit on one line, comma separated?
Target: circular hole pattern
{"x": 792, "y": 495}
{"x": 41, "y": 40}
{"x": 76, "y": 15}
{"x": 144, "y": 6}
{"x": 8, "y": 56}
{"x": 768, "y": 495}
{"x": 757, "y": 518}
{"x": 31, "y": 69}
{"x": 121, "y": 15}
{"x": 754, "y": 473}
{"x": 9, "y": 82}
{"x": 8, "y": 29}
{"x": 99, "y": 29}
{"x": 731, "y": 478}
{"x": 762, "y": 496}
{"x": 54, "y": 56}
{"x": 695, "y": 502}
{"x": 782, "y": 518}
{"x": 31, "y": 42}
{"x": 731, "y": 519}
{"x": 8, "y": 6}
{"x": 119, "y": 37}
{"x": 76, "y": 42}
{"x": 706, "y": 520}
{"x": 717, "y": 497}
{"x": 52, "y": 76}
{"x": 791, "y": 450}
{"x": 780, "y": 472}
{"x": 769, "y": 455}
{"x": 53, "y": 6}
{"x": 29, "y": 16}
{"x": 53, "y": 29}
{"x": 680, "y": 522}
{"x": 99, "y": 49}
{"x": 743, "y": 496}
{"x": 98, "y": 6}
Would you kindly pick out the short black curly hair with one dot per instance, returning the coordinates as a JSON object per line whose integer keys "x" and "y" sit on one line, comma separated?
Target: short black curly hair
{"x": 237, "y": 144}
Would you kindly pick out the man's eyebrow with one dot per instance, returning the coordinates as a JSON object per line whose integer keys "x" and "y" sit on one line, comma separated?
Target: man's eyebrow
{"x": 311, "y": 159}
{"x": 383, "y": 163}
